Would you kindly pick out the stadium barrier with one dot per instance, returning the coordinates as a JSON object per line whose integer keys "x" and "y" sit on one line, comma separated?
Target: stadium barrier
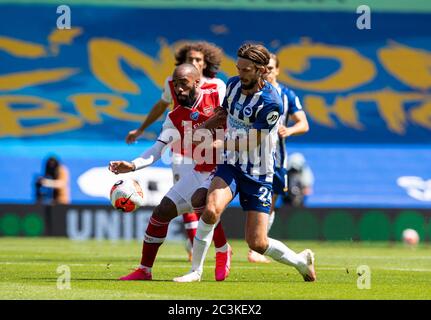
{"x": 82, "y": 222}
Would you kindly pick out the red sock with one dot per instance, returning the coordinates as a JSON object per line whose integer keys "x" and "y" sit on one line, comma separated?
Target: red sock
{"x": 219, "y": 236}
{"x": 154, "y": 237}
{"x": 191, "y": 224}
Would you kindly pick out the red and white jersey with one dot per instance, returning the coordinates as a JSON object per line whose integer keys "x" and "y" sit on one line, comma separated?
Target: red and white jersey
{"x": 169, "y": 96}
{"x": 175, "y": 123}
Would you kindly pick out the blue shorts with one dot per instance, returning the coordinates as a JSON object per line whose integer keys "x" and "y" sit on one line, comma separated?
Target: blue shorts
{"x": 254, "y": 195}
{"x": 279, "y": 184}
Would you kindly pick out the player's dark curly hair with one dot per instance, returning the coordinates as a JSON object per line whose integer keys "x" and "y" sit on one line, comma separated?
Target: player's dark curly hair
{"x": 212, "y": 56}
{"x": 254, "y": 52}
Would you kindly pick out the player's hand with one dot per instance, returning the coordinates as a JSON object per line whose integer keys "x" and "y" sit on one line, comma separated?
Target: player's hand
{"x": 221, "y": 113}
{"x": 220, "y": 109}
{"x": 283, "y": 131}
{"x": 217, "y": 120}
{"x": 211, "y": 143}
{"x": 218, "y": 144}
{"x": 133, "y": 135}
{"x": 121, "y": 167}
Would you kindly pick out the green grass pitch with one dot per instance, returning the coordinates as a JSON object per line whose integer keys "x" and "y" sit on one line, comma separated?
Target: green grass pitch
{"x": 28, "y": 270}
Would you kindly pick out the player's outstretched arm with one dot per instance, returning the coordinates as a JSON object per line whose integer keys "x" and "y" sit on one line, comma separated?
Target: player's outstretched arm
{"x": 158, "y": 109}
{"x": 150, "y": 156}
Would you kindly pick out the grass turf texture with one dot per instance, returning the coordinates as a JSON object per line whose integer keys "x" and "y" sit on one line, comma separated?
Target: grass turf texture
{"x": 28, "y": 270}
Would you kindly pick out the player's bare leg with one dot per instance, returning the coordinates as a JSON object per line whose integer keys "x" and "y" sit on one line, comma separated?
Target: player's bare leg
{"x": 254, "y": 256}
{"x": 222, "y": 248}
{"x": 219, "y": 196}
{"x": 155, "y": 234}
{"x": 257, "y": 239}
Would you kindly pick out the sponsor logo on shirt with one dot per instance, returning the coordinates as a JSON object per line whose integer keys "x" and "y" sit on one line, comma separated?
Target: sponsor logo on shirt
{"x": 238, "y": 106}
{"x": 272, "y": 117}
{"x": 207, "y": 110}
{"x": 194, "y": 115}
{"x": 248, "y": 111}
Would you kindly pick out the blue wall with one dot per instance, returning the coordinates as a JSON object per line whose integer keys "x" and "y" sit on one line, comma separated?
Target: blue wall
{"x": 363, "y": 136}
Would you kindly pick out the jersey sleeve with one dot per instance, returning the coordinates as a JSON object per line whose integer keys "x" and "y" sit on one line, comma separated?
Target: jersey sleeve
{"x": 168, "y": 131}
{"x": 293, "y": 102}
{"x": 268, "y": 117}
{"x": 166, "y": 94}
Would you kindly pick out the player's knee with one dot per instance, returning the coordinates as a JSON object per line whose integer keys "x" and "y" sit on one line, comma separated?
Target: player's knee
{"x": 166, "y": 210}
{"x": 210, "y": 214}
{"x": 199, "y": 198}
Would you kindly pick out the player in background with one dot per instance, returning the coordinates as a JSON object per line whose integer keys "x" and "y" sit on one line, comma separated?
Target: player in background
{"x": 294, "y": 111}
{"x": 195, "y": 109}
{"x": 206, "y": 58}
{"x": 253, "y": 108}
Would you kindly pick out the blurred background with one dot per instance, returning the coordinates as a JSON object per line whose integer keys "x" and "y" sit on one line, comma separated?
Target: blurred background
{"x": 74, "y": 94}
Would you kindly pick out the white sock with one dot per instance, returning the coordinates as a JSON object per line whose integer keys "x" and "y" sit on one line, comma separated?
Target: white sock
{"x": 201, "y": 243}
{"x": 281, "y": 253}
{"x": 271, "y": 220}
{"x": 145, "y": 268}
{"x": 222, "y": 249}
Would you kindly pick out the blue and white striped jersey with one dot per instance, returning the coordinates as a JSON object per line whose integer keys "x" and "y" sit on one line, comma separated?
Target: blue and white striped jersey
{"x": 291, "y": 105}
{"x": 259, "y": 111}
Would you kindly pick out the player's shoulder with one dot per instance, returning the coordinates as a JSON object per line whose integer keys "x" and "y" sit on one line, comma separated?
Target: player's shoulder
{"x": 289, "y": 93}
{"x": 292, "y": 99}
{"x": 271, "y": 98}
{"x": 209, "y": 86}
{"x": 217, "y": 81}
{"x": 210, "y": 90}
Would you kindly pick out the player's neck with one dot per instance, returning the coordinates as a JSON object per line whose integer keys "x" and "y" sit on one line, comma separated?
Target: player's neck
{"x": 274, "y": 83}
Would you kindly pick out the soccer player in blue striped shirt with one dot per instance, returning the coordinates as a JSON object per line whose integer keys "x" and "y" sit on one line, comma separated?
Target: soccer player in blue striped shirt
{"x": 253, "y": 109}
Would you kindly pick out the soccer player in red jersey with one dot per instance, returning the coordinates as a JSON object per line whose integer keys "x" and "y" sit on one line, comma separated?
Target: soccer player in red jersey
{"x": 206, "y": 58}
{"x": 195, "y": 109}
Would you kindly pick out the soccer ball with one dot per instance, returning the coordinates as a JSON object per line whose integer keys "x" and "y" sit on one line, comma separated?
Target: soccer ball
{"x": 410, "y": 237}
{"x": 126, "y": 195}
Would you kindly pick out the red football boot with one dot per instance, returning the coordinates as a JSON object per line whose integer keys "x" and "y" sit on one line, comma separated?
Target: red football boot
{"x": 222, "y": 268}
{"x": 138, "y": 274}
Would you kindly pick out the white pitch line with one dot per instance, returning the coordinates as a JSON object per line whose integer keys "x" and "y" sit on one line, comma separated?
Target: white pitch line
{"x": 256, "y": 267}
{"x": 380, "y": 257}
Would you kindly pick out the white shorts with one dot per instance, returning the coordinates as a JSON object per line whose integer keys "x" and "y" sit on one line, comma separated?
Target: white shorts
{"x": 182, "y": 191}
{"x": 179, "y": 168}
